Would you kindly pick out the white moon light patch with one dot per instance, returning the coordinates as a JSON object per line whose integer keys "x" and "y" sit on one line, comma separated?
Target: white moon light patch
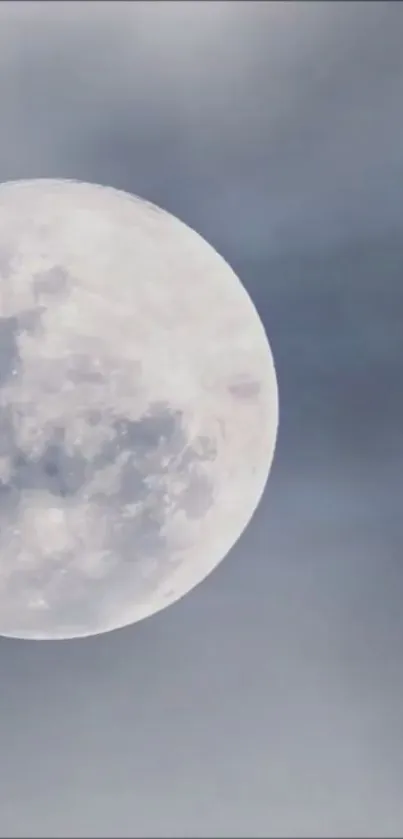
{"x": 138, "y": 409}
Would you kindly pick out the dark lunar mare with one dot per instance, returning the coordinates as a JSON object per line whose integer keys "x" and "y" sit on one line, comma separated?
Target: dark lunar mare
{"x": 155, "y": 445}
{"x": 10, "y": 329}
{"x": 148, "y": 442}
{"x": 54, "y": 281}
{"x": 9, "y": 354}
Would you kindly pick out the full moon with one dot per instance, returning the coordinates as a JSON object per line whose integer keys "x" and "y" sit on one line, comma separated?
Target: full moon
{"x": 138, "y": 409}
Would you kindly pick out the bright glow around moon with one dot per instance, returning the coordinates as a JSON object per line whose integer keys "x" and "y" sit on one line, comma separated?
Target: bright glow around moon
{"x": 138, "y": 409}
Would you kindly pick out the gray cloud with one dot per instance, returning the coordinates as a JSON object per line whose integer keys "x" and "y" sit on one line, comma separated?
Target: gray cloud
{"x": 283, "y": 119}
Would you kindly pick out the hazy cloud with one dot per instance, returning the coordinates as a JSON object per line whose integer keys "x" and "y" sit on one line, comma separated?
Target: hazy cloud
{"x": 268, "y": 701}
{"x": 284, "y": 119}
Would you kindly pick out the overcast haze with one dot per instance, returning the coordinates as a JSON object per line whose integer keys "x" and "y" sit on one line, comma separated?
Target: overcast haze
{"x": 269, "y": 700}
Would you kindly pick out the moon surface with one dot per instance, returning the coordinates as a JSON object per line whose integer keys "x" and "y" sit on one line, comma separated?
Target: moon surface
{"x": 138, "y": 409}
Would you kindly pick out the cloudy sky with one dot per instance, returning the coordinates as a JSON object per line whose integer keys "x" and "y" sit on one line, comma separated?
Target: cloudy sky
{"x": 269, "y": 700}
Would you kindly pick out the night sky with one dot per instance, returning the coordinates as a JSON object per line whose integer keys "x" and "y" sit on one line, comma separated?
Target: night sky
{"x": 269, "y": 701}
